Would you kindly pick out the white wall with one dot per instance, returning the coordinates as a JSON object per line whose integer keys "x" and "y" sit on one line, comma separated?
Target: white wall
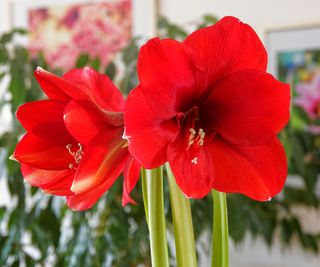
{"x": 260, "y": 14}
{"x": 4, "y": 15}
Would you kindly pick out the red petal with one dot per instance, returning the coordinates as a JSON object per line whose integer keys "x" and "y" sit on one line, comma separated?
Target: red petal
{"x": 42, "y": 154}
{"x": 53, "y": 182}
{"x": 168, "y": 73}
{"x": 89, "y": 86}
{"x": 256, "y": 171}
{"x": 166, "y": 100}
{"x": 165, "y": 60}
{"x": 227, "y": 47}
{"x": 192, "y": 168}
{"x": 148, "y": 135}
{"x": 44, "y": 119}
{"x": 103, "y": 160}
{"x": 56, "y": 87}
{"x": 83, "y": 122}
{"x": 87, "y": 199}
{"x": 131, "y": 174}
{"x": 248, "y": 107}
{"x": 98, "y": 87}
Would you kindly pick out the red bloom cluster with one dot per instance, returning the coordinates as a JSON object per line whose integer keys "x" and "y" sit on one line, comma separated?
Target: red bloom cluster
{"x": 73, "y": 146}
{"x": 206, "y": 105}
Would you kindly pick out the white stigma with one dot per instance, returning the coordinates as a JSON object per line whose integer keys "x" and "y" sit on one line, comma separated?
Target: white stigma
{"x": 194, "y": 160}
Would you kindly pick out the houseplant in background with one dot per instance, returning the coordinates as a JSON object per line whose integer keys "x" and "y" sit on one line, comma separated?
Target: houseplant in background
{"x": 106, "y": 232}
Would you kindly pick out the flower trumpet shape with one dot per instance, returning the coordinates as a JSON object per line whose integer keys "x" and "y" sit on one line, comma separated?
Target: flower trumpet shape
{"x": 73, "y": 146}
{"x": 208, "y": 107}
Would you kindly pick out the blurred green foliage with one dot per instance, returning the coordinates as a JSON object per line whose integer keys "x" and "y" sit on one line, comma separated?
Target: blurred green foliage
{"x": 38, "y": 229}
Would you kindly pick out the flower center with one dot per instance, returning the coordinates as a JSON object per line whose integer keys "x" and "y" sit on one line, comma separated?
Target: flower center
{"x": 77, "y": 155}
{"x": 194, "y": 134}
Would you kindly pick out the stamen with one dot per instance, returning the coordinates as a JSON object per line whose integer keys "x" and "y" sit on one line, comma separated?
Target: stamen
{"x": 76, "y": 155}
{"x": 196, "y": 140}
{"x": 201, "y": 133}
{"x": 191, "y": 137}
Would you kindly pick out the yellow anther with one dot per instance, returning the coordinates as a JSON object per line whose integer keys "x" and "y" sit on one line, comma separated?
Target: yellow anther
{"x": 192, "y": 131}
{"x": 201, "y": 133}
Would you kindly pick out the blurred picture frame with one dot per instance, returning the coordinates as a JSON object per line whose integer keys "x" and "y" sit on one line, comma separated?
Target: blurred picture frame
{"x": 62, "y": 30}
{"x": 144, "y": 12}
{"x": 289, "y": 47}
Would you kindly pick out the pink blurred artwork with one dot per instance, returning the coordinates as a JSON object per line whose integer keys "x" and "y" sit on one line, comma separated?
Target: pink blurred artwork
{"x": 63, "y": 33}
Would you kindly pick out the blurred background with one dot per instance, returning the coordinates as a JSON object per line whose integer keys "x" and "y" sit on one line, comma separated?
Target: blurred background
{"x": 39, "y": 230}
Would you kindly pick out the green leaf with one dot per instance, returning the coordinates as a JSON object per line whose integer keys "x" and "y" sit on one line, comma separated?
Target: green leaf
{"x": 286, "y": 231}
{"x": 16, "y": 263}
{"x": 5, "y": 38}
{"x": 40, "y": 239}
{"x": 95, "y": 64}
{"x": 207, "y": 20}
{"x": 111, "y": 71}
{"x": 308, "y": 241}
{"x": 8, "y": 245}
{"x": 49, "y": 221}
{"x": 130, "y": 53}
{"x": 3, "y": 55}
{"x": 30, "y": 262}
{"x": 82, "y": 61}
{"x": 238, "y": 219}
{"x": 297, "y": 153}
{"x": 170, "y": 30}
{"x": 2, "y": 212}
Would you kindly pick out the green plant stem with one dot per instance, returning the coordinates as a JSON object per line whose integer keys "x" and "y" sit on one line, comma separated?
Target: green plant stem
{"x": 182, "y": 224}
{"x": 152, "y": 184}
{"x": 220, "y": 244}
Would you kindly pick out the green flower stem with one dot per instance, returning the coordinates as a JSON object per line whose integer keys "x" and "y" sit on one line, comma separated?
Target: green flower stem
{"x": 220, "y": 244}
{"x": 182, "y": 224}
{"x": 152, "y": 189}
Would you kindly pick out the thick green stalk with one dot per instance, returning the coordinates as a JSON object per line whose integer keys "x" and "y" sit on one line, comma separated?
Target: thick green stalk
{"x": 152, "y": 184}
{"x": 144, "y": 186}
{"x": 220, "y": 239}
{"x": 182, "y": 224}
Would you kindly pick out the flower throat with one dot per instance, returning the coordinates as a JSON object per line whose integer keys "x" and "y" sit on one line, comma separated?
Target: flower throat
{"x": 194, "y": 135}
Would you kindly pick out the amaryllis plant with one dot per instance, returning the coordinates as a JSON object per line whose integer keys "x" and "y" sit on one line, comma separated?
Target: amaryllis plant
{"x": 205, "y": 107}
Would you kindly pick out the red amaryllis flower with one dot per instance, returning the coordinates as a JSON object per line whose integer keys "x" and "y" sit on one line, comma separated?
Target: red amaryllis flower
{"x": 73, "y": 146}
{"x": 208, "y": 107}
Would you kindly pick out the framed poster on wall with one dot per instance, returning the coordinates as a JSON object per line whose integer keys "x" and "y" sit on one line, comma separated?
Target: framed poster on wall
{"x": 61, "y": 30}
{"x": 294, "y": 58}
{"x": 291, "y": 49}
